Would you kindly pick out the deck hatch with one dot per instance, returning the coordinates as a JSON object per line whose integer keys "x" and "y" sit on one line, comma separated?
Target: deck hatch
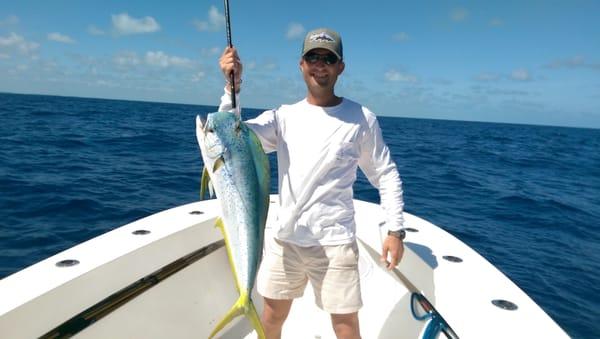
{"x": 505, "y": 304}
{"x": 452, "y": 258}
{"x": 109, "y": 304}
{"x": 67, "y": 263}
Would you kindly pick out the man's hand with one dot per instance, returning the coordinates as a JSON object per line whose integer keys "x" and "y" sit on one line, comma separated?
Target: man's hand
{"x": 395, "y": 248}
{"x": 230, "y": 62}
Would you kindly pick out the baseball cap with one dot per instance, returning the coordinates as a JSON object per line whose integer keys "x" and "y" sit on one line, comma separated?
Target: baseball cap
{"x": 323, "y": 38}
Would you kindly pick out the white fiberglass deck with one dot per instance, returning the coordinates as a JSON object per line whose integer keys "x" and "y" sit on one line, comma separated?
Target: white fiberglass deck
{"x": 134, "y": 284}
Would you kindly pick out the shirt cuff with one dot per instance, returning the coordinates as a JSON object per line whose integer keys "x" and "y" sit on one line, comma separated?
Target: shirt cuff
{"x": 226, "y": 103}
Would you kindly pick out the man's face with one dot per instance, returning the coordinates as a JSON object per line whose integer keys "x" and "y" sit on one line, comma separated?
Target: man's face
{"x": 321, "y": 68}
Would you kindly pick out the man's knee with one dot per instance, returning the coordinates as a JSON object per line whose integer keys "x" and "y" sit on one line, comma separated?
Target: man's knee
{"x": 346, "y": 325}
{"x": 276, "y": 311}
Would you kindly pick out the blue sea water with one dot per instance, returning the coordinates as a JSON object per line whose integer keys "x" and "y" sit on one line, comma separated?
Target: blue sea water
{"x": 526, "y": 197}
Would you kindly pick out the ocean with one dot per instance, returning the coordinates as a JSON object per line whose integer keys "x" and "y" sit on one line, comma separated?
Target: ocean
{"x": 525, "y": 197}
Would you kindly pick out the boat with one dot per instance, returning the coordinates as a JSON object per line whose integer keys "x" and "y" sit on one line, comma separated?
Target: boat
{"x": 167, "y": 276}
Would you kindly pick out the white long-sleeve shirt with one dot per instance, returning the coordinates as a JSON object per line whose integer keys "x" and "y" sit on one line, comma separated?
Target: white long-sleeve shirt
{"x": 318, "y": 151}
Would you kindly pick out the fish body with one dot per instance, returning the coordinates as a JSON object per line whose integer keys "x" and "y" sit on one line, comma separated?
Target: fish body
{"x": 238, "y": 170}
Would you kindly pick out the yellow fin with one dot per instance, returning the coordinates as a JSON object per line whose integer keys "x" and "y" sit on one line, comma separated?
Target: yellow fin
{"x": 218, "y": 163}
{"x": 243, "y": 306}
{"x": 255, "y": 321}
{"x": 204, "y": 183}
{"x": 219, "y": 224}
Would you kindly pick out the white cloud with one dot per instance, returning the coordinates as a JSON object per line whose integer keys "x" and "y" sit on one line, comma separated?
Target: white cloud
{"x": 215, "y": 21}
{"x": 295, "y": 31}
{"x": 396, "y": 76}
{"x": 129, "y": 61}
{"x": 124, "y": 24}
{"x": 10, "y": 40}
{"x": 520, "y": 74}
{"x": 55, "y": 36}
{"x": 574, "y": 62}
{"x": 210, "y": 52}
{"x": 459, "y": 14}
{"x": 93, "y": 30}
{"x": 126, "y": 59}
{"x": 9, "y": 20}
{"x": 270, "y": 66}
{"x": 401, "y": 37}
{"x": 161, "y": 59}
{"x": 198, "y": 76}
{"x": 487, "y": 77}
{"x": 105, "y": 83}
{"x": 17, "y": 43}
{"x": 261, "y": 67}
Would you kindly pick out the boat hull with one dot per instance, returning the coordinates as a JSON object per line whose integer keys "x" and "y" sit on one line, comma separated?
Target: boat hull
{"x": 167, "y": 276}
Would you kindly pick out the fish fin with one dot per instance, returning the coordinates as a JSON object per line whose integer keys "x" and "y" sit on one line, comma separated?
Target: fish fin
{"x": 236, "y": 310}
{"x": 218, "y": 163}
{"x": 220, "y": 225}
{"x": 254, "y": 318}
{"x": 211, "y": 190}
{"x": 245, "y": 306}
{"x": 204, "y": 183}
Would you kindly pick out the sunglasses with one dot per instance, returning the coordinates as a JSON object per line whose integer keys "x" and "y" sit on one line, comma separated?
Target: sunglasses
{"x": 328, "y": 59}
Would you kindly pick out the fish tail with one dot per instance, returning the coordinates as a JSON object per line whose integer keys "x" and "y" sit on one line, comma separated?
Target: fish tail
{"x": 236, "y": 310}
{"x": 252, "y": 315}
{"x": 244, "y": 306}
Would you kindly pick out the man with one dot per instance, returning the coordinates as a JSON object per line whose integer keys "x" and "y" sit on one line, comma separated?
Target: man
{"x": 320, "y": 141}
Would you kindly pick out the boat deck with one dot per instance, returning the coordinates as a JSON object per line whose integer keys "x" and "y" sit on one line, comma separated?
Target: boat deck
{"x": 167, "y": 276}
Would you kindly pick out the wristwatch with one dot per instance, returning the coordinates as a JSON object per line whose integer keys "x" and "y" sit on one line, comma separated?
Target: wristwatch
{"x": 400, "y": 234}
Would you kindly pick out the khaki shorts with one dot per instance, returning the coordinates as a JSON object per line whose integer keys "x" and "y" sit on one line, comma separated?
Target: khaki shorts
{"x": 332, "y": 271}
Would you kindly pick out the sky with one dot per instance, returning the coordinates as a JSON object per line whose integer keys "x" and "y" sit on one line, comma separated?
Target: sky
{"x": 532, "y": 62}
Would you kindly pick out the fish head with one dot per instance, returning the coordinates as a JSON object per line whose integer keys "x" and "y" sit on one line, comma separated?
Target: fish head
{"x": 216, "y": 135}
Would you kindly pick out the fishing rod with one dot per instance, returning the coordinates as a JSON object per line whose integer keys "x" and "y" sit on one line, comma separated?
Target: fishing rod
{"x": 436, "y": 323}
{"x": 230, "y": 44}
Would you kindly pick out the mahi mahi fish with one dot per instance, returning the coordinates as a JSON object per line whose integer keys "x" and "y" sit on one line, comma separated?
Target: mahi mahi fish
{"x": 236, "y": 167}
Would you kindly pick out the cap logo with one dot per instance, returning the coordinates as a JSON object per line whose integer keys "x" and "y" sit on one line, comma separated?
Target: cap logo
{"x": 321, "y": 37}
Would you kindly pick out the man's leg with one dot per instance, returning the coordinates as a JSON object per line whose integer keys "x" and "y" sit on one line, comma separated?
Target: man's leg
{"x": 274, "y": 314}
{"x": 337, "y": 288}
{"x": 346, "y": 325}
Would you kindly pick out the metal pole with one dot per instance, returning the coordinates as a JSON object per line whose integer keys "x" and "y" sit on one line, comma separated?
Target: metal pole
{"x": 230, "y": 44}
